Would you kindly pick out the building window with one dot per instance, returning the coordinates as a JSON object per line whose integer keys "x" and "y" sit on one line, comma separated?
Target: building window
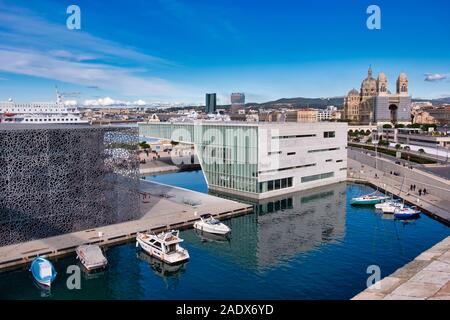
{"x": 270, "y": 185}
{"x": 274, "y": 152}
{"x": 329, "y": 134}
{"x": 339, "y": 160}
{"x": 323, "y": 150}
{"x": 317, "y": 177}
{"x": 328, "y": 160}
{"x": 291, "y": 153}
{"x": 277, "y": 184}
{"x": 296, "y": 136}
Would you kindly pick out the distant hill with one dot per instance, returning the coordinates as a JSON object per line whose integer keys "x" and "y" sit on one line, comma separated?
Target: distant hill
{"x": 435, "y": 101}
{"x": 321, "y": 103}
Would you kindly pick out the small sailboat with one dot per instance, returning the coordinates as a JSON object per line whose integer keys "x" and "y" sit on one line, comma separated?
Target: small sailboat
{"x": 210, "y": 224}
{"x": 371, "y": 198}
{"x": 164, "y": 246}
{"x": 389, "y": 206}
{"x": 43, "y": 271}
{"x": 91, "y": 257}
{"x": 368, "y": 199}
{"x": 407, "y": 213}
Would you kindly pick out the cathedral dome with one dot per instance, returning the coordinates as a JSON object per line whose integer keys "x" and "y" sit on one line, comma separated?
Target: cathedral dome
{"x": 402, "y": 77}
{"x": 382, "y": 77}
{"x": 353, "y": 92}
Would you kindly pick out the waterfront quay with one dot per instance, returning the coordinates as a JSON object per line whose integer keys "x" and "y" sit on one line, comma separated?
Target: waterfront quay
{"x": 427, "y": 277}
{"x": 436, "y": 203}
{"x": 162, "y": 207}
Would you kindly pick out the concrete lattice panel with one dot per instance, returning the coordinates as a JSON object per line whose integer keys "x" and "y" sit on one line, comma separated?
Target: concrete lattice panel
{"x": 56, "y": 179}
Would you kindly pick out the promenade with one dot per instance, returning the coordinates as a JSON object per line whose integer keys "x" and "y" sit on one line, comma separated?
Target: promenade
{"x": 162, "y": 207}
{"x": 427, "y": 277}
{"x": 435, "y": 203}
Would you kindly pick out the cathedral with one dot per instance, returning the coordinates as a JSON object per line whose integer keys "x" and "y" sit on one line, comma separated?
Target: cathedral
{"x": 375, "y": 104}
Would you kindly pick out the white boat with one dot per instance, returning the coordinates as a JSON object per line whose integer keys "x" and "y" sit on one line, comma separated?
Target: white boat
{"x": 389, "y": 206}
{"x": 91, "y": 257}
{"x": 164, "y": 246}
{"x": 210, "y": 224}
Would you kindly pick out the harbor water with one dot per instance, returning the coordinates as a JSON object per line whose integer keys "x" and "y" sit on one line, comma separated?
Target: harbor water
{"x": 307, "y": 245}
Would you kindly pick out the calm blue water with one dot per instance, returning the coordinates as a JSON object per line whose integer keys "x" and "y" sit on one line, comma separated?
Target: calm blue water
{"x": 310, "y": 245}
{"x": 193, "y": 180}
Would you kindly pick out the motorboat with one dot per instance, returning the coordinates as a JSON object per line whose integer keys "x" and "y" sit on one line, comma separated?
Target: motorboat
{"x": 407, "y": 213}
{"x": 43, "y": 271}
{"x": 164, "y": 246}
{"x": 210, "y": 224}
{"x": 368, "y": 199}
{"x": 91, "y": 257}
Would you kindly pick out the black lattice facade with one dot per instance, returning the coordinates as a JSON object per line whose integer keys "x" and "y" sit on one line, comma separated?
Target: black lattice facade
{"x": 56, "y": 179}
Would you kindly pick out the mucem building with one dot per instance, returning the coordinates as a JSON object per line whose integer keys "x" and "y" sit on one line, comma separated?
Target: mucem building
{"x": 56, "y": 179}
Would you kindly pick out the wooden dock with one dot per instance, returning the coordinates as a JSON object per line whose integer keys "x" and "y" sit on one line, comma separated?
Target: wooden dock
{"x": 163, "y": 207}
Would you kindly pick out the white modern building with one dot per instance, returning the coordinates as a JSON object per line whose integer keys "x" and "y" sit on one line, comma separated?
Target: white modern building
{"x": 262, "y": 160}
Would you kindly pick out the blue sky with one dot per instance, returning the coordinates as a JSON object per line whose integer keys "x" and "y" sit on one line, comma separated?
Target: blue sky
{"x": 176, "y": 50}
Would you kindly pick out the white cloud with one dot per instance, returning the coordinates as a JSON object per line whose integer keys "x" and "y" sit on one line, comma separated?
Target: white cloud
{"x": 435, "y": 77}
{"x": 28, "y": 48}
{"x": 70, "y": 102}
{"x": 107, "y": 101}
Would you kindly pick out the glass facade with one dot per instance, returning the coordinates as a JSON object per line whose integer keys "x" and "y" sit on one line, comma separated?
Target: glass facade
{"x": 227, "y": 153}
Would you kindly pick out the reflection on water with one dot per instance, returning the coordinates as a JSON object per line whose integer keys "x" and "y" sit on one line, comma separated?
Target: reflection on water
{"x": 170, "y": 274}
{"x": 210, "y": 237}
{"x": 283, "y": 227}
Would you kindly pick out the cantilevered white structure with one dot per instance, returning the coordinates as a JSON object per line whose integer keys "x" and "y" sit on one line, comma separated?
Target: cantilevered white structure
{"x": 265, "y": 159}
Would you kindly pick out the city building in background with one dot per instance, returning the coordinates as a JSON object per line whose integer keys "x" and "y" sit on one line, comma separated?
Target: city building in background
{"x": 261, "y": 160}
{"x": 210, "y": 103}
{"x": 413, "y": 136}
{"x": 430, "y": 114}
{"x": 376, "y": 104}
{"x": 237, "y": 102}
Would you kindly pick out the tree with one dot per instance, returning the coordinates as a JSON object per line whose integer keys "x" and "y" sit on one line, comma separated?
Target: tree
{"x": 421, "y": 150}
{"x": 407, "y": 148}
{"x": 144, "y": 145}
{"x": 387, "y": 126}
{"x": 368, "y": 132}
{"x": 398, "y": 146}
{"x": 399, "y": 125}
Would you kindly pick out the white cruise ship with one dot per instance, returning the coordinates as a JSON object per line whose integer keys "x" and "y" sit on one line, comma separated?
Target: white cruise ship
{"x": 39, "y": 112}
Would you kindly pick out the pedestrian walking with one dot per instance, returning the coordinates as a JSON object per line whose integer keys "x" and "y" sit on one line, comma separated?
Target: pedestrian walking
{"x": 420, "y": 192}
{"x": 424, "y": 191}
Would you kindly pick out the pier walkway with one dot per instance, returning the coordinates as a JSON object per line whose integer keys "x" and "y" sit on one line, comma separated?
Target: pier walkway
{"x": 427, "y": 277}
{"x": 162, "y": 207}
{"x": 435, "y": 203}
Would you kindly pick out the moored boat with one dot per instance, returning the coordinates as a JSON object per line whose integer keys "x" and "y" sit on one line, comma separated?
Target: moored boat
{"x": 164, "y": 246}
{"x": 43, "y": 271}
{"x": 368, "y": 199}
{"x": 407, "y": 213}
{"x": 210, "y": 224}
{"x": 389, "y": 206}
{"x": 91, "y": 257}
